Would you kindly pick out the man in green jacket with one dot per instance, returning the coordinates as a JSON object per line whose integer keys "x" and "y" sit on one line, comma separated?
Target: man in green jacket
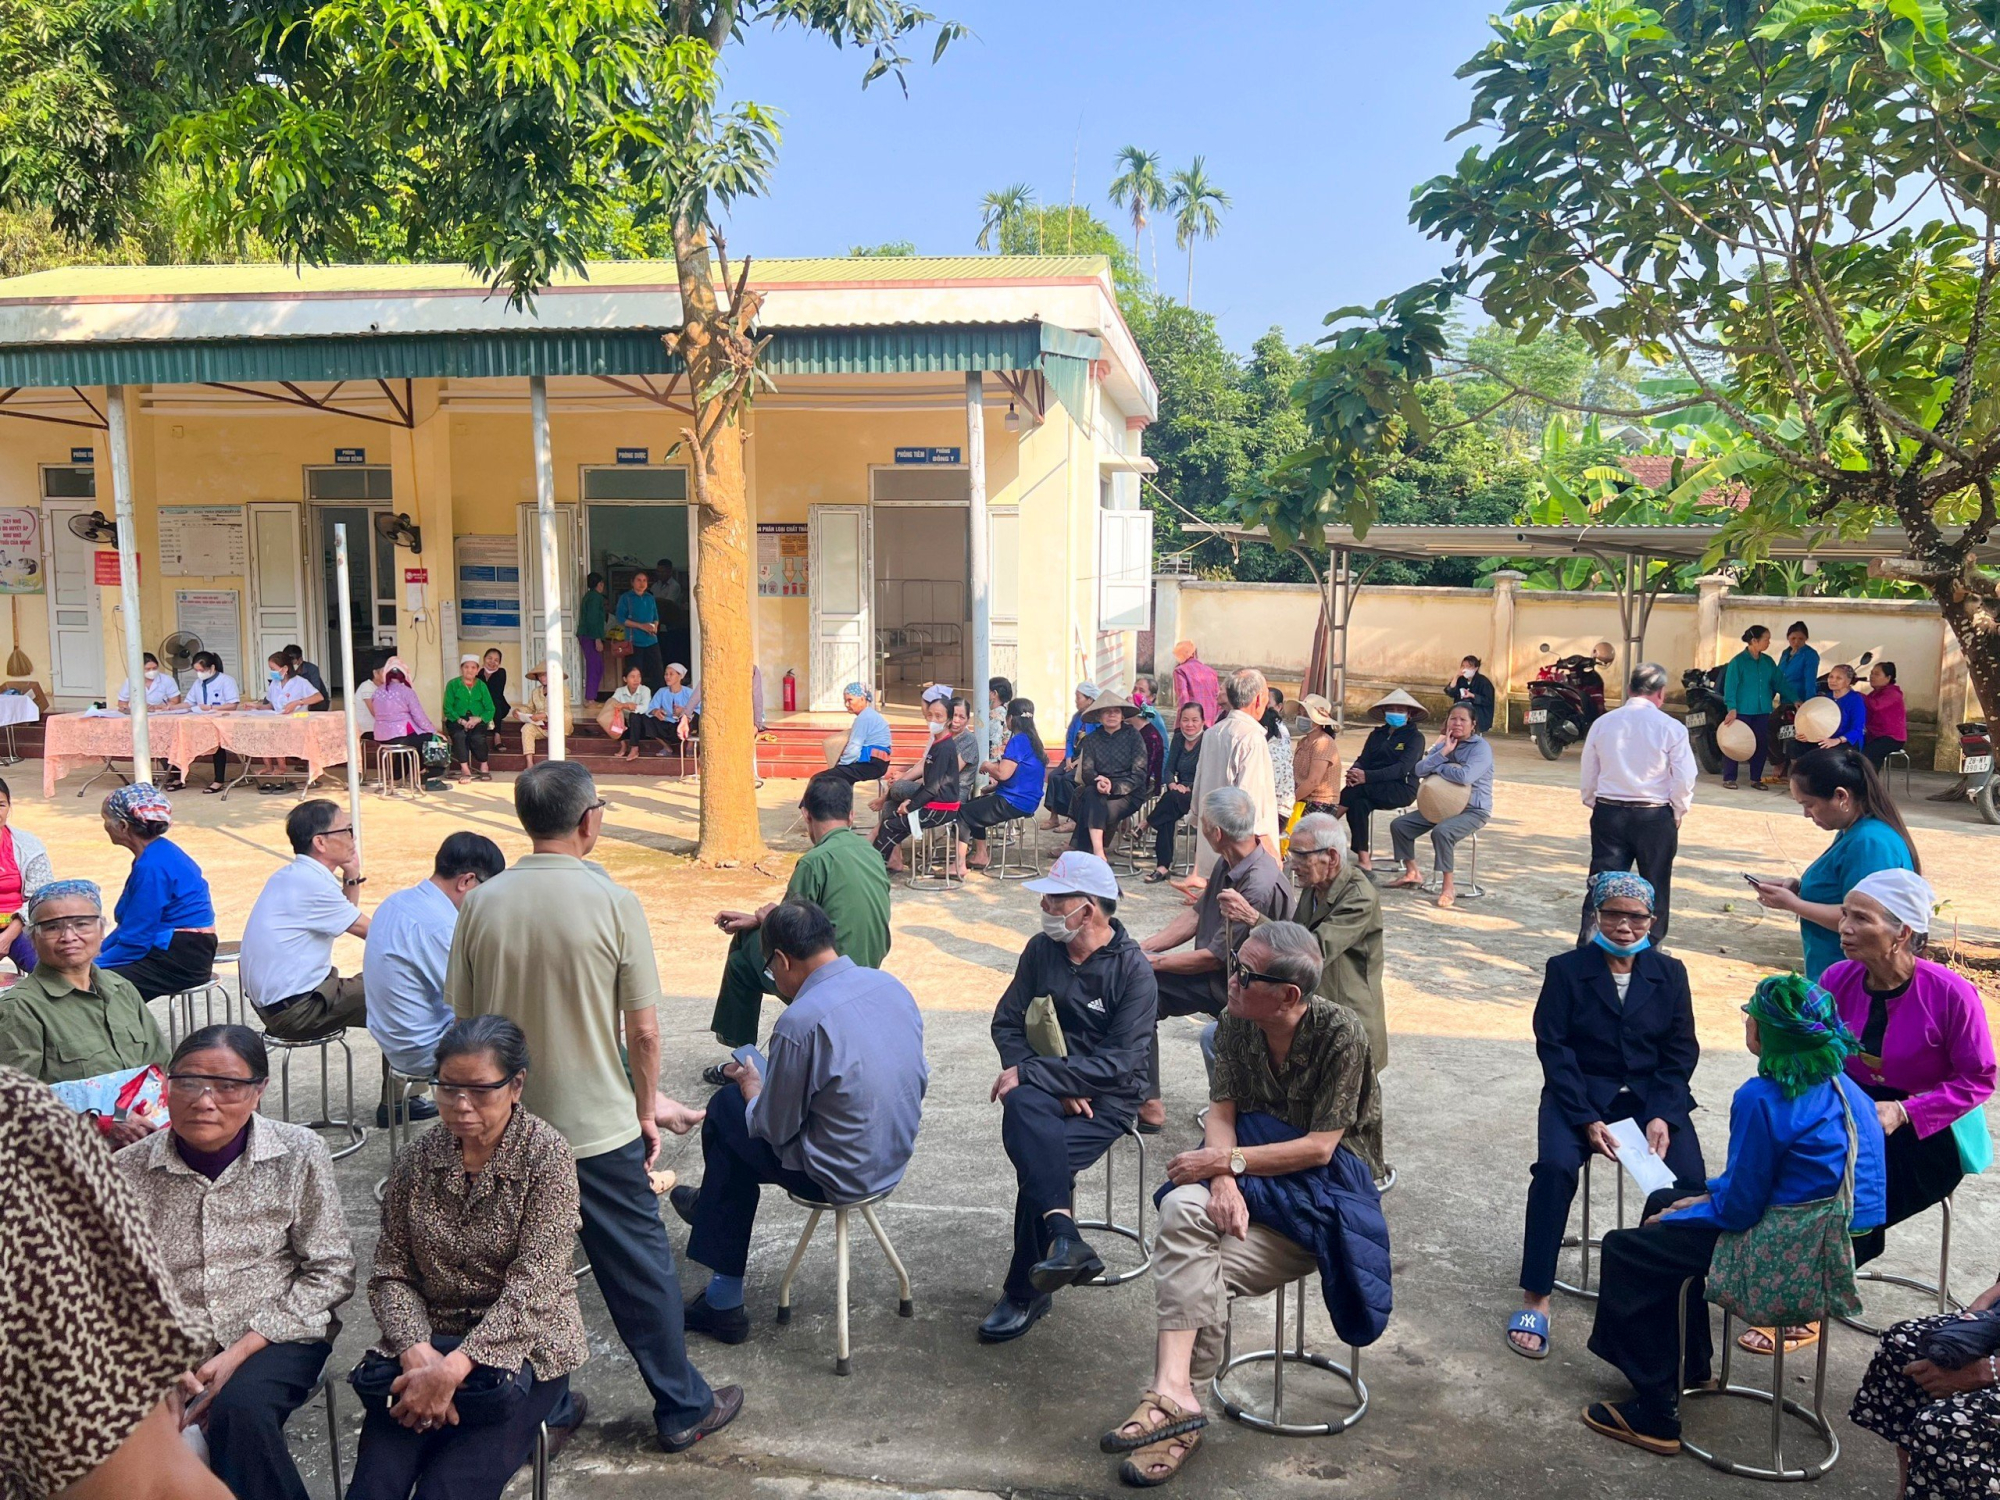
{"x": 842, "y": 875}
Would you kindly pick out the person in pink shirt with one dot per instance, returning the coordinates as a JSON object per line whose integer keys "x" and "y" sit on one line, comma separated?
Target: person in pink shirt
{"x": 1888, "y": 728}
{"x": 399, "y": 716}
{"x": 1195, "y": 681}
{"x": 1926, "y": 1054}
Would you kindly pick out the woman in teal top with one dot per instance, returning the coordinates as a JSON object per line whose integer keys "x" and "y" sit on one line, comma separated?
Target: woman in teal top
{"x": 468, "y": 719}
{"x": 591, "y": 624}
{"x": 1840, "y": 791}
{"x": 1749, "y": 684}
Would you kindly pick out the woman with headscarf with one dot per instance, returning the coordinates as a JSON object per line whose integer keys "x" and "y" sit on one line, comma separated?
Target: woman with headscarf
{"x": 1060, "y": 790}
{"x": 1796, "y": 1131}
{"x": 1926, "y": 1055}
{"x": 1110, "y": 773}
{"x": 468, "y": 719}
{"x": 399, "y": 714}
{"x": 1614, "y": 1028}
{"x": 165, "y": 939}
{"x": 1384, "y": 774}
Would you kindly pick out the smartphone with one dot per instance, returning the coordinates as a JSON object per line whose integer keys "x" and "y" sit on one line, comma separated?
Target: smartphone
{"x": 1757, "y": 882}
{"x": 750, "y": 1057}
{"x": 191, "y": 1412}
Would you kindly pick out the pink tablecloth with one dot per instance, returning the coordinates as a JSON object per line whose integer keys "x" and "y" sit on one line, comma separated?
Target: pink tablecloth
{"x": 73, "y": 740}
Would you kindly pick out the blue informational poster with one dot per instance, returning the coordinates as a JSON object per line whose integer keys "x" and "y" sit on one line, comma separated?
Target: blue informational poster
{"x": 489, "y": 588}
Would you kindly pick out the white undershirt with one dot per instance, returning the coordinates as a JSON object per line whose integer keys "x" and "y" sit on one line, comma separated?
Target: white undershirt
{"x": 1624, "y": 983}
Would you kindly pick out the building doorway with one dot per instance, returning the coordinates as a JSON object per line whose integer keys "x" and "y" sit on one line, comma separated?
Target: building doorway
{"x": 923, "y": 598}
{"x": 636, "y": 518}
{"x": 352, "y": 496}
{"x": 76, "y": 640}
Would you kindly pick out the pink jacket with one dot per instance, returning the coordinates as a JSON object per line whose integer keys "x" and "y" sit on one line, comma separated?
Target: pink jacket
{"x": 1937, "y": 1049}
{"x": 1195, "y": 682}
{"x": 397, "y": 712}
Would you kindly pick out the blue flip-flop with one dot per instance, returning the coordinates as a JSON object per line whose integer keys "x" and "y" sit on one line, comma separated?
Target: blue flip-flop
{"x": 1526, "y": 1321}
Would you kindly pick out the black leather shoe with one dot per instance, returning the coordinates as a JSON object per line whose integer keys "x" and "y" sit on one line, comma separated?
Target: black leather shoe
{"x": 579, "y": 1408}
{"x": 1068, "y": 1262}
{"x": 683, "y": 1198}
{"x": 725, "y": 1325}
{"x": 418, "y": 1108}
{"x": 721, "y": 1412}
{"x": 1009, "y": 1319}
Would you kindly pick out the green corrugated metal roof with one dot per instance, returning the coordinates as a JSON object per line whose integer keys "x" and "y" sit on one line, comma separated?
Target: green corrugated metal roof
{"x": 239, "y": 280}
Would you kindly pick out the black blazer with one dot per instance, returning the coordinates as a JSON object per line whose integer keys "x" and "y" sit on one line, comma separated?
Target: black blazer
{"x": 1591, "y": 1048}
{"x": 1478, "y": 694}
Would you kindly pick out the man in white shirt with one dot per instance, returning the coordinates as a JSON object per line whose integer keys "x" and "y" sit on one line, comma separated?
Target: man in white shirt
{"x": 287, "y": 959}
{"x": 1638, "y": 782}
{"x": 1233, "y": 753}
{"x": 409, "y": 948}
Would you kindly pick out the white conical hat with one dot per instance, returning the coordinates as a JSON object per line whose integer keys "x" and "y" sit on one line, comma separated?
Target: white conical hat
{"x": 1398, "y": 699}
{"x": 1736, "y": 740}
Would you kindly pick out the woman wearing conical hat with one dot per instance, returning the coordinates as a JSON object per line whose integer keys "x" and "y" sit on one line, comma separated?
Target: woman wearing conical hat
{"x": 1384, "y": 774}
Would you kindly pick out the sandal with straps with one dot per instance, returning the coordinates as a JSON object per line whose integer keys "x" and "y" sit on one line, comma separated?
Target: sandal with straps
{"x": 1158, "y": 1462}
{"x": 1173, "y": 1423}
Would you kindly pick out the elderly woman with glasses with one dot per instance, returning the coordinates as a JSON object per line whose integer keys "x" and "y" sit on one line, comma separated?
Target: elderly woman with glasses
{"x": 472, "y": 1288}
{"x": 165, "y": 939}
{"x": 248, "y": 1221}
{"x": 1614, "y": 1028}
{"x": 71, "y": 1019}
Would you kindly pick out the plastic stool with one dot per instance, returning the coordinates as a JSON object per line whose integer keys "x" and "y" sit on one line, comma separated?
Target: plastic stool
{"x": 1278, "y": 1356}
{"x": 905, "y": 1308}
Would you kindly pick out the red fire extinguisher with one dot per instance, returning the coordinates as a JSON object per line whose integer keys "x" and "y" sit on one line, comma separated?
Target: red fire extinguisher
{"x": 791, "y": 692}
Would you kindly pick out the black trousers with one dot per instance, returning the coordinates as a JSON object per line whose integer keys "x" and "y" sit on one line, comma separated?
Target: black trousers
{"x": 186, "y": 963}
{"x": 1639, "y": 1304}
{"x": 1628, "y": 836}
{"x": 246, "y": 1420}
{"x": 1370, "y": 797}
{"x": 734, "y": 1166}
{"x": 471, "y": 743}
{"x": 855, "y": 771}
{"x": 1180, "y": 995}
{"x": 1879, "y": 747}
{"x": 986, "y": 812}
{"x": 1164, "y": 820}
{"x": 1048, "y": 1148}
{"x": 1920, "y": 1173}
{"x": 634, "y": 1265}
{"x": 895, "y": 827}
{"x": 1094, "y": 809}
{"x": 1060, "y": 792}
{"x": 455, "y": 1463}
{"x": 652, "y": 666}
{"x": 1559, "y": 1156}
{"x": 645, "y": 727}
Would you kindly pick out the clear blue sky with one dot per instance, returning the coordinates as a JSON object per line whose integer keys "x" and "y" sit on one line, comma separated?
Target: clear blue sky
{"x": 1316, "y": 118}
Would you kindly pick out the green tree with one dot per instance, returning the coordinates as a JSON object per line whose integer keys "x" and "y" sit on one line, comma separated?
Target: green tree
{"x": 888, "y": 250}
{"x": 1139, "y": 190}
{"x": 1558, "y": 364}
{"x": 1071, "y": 229}
{"x": 1197, "y": 204}
{"x": 998, "y": 211}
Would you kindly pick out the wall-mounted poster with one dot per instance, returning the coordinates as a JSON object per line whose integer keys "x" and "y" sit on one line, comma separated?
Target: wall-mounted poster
{"x": 781, "y": 561}
{"x": 215, "y": 617}
{"x": 21, "y": 551}
{"x": 203, "y": 541}
{"x": 489, "y": 588}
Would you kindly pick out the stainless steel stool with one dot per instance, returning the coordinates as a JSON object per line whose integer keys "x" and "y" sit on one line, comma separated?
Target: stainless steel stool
{"x": 1109, "y": 1223}
{"x": 1468, "y": 889}
{"x": 934, "y": 854}
{"x": 1940, "y": 1289}
{"x": 399, "y": 766}
{"x": 1586, "y": 1241}
{"x": 180, "y": 1010}
{"x": 1278, "y": 1356}
{"x": 1015, "y": 848}
{"x": 324, "y": 1390}
{"x": 357, "y": 1133}
{"x": 905, "y": 1308}
{"x": 396, "y": 1091}
{"x": 1904, "y": 757}
{"x": 1780, "y": 1404}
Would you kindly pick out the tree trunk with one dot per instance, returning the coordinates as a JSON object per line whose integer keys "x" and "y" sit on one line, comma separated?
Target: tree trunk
{"x": 729, "y": 829}
{"x": 1977, "y": 626}
{"x": 1190, "y": 290}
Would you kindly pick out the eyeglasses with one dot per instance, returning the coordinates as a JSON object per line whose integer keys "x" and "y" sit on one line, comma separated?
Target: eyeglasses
{"x": 188, "y": 1087}
{"x": 327, "y": 833}
{"x": 1243, "y": 974}
{"x": 460, "y": 1093}
{"x": 1624, "y": 918}
{"x": 56, "y": 925}
{"x": 598, "y": 806}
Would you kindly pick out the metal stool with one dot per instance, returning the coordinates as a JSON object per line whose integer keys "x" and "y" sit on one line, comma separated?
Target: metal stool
{"x": 1109, "y": 1223}
{"x": 396, "y": 1090}
{"x": 1940, "y": 1289}
{"x": 180, "y": 1009}
{"x": 357, "y": 1133}
{"x": 324, "y": 1390}
{"x": 1815, "y": 1416}
{"x": 1586, "y": 1241}
{"x": 1279, "y": 1356}
{"x": 934, "y": 854}
{"x": 866, "y": 1208}
{"x": 1016, "y": 849}
{"x": 1469, "y": 889}
{"x": 1184, "y": 831}
{"x": 1904, "y": 757}
{"x": 399, "y": 766}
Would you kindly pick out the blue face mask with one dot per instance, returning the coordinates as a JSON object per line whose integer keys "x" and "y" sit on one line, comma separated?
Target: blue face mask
{"x": 1395, "y": 720}
{"x": 275, "y": 675}
{"x": 1618, "y": 950}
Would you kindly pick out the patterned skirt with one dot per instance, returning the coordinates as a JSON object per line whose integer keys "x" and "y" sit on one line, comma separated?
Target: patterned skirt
{"x": 1954, "y": 1444}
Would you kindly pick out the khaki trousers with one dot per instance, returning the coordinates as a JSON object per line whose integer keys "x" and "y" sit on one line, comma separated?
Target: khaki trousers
{"x": 334, "y": 1004}
{"x": 1197, "y": 1269}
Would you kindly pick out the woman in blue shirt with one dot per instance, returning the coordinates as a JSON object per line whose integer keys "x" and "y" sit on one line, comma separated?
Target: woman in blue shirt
{"x": 1840, "y": 791}
{"x": 165, "y": 939}
{"x": 1798, "y": 664}
{"x": 639, "y": 612}
{"x": 1018, "y": 775}
{"x": 1792, "y": 1129}
{"x": 1853, "y": 708}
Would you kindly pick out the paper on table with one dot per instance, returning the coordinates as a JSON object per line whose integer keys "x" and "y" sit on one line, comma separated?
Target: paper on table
{"x": 1647, "y": 1170}
{"x": 103, "y": 713}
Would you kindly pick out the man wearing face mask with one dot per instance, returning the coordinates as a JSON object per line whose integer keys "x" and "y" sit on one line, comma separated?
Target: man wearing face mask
{"x": 1072, "y": 1031}
{"x": 1614, "y": 1028}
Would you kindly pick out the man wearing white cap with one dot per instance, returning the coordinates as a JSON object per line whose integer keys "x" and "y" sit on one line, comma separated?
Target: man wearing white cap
{"x": 1072, "y": 1031}
{"x": 1234, "y": 753}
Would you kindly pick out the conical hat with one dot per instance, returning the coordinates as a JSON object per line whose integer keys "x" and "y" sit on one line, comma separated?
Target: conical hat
{"x": 1736, "y": 740}
{"x": 1096, "y": 711}
{"x": 1438, "y": 799}
{"x": 1398, "y": 699}
{"x": 1817, "y": 719}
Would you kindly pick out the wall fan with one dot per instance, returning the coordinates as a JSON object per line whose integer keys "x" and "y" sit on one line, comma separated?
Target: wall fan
{"x": 94, "y": 528}
{"x": 397, "y": 529}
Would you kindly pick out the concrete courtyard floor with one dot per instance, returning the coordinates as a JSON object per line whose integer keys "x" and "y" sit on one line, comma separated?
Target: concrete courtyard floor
{"x": 928, "y": 1409}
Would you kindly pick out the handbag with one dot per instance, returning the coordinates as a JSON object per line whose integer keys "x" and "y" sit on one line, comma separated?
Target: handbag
{"x": 1959, "y": 1341}
{"x": 1796, "y": 1263}
{"x": 484, "y": 1398}
{"x": 1974, "y": 1142}
{"x": 436, "y": 753}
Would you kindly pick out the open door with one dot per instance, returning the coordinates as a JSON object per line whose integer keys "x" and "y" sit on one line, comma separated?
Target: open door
{"x": 277, "y": 588}
{"x": 842, "y": 563}
{"x": 534, "y": 618}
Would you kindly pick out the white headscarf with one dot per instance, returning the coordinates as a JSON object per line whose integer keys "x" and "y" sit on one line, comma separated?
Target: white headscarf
{"x": 1904, "y": 894}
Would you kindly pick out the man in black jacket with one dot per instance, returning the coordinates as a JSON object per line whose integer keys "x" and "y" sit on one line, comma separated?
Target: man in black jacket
{"x": 1071, "y": 1076}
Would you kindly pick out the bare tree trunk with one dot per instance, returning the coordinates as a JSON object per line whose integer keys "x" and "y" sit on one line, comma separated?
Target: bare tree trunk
{"x": 713, "y": 342}
{"x": 1976, "y": 623}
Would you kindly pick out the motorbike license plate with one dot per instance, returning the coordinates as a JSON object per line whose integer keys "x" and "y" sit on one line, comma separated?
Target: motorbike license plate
{"x": 1695, "y": 721}
{"x": 1538, "y": 716}
{"x": 1975, "y": 765}
{"x": 1786, "y": 732}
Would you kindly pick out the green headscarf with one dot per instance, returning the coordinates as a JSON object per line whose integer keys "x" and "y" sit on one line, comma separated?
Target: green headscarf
{"x": 1804, "y": 1041}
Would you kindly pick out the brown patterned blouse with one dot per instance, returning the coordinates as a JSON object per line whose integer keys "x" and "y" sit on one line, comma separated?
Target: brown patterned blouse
{"x": 486, "y": 1258}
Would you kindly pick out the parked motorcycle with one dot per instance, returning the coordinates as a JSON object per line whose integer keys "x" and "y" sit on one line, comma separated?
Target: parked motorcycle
{"x": 1565, "y": 698}
{"x": 1975, "y": 769}
{"x": 1706, "y": 712}
{"x": 1784, "y": 731}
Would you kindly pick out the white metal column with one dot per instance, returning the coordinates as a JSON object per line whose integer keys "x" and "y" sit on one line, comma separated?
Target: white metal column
{"x": 980, "y": 560}
{"x": 545, "y": 507}
{"x": 348, "y": 700}
{"x": 128, "y": 580}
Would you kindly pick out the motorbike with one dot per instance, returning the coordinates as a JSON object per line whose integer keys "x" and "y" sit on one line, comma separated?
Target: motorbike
{"x": 1784, "y": 731}
{"x": 1975, "y": 769}
{"x": 1564, "y": 699}
{"x": 1706, "y": 712}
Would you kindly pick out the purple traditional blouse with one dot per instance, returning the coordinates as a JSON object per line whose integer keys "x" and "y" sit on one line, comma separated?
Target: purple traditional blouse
{"x": 1937, "y": 1049}
{"x": 397, "y": 712}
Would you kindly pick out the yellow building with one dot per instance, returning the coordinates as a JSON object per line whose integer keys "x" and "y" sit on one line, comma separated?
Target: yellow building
{"x": 266, "y": 406}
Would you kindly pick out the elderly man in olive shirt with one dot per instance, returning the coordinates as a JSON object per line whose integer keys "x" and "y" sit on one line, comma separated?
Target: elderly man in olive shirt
{"x": 1195, "y": 980}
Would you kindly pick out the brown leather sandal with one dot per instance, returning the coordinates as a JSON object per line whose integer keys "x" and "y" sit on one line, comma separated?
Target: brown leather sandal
{"x": 1158, "y": 1462}
{"x": 1138, "y": 1431}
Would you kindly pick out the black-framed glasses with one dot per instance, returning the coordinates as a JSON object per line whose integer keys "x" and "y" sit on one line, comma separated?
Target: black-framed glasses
{"x": 1242, "y": 973}
{"x": 327, "y": 833}
{"x": 189, "y": 1087}
{"x": 478, "y": 1093}
{"x": 598, "y": 806}
{"x": 56, "y": 925}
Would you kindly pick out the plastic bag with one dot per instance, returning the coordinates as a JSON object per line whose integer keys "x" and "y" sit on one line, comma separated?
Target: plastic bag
{"x": 133, "y": 1094}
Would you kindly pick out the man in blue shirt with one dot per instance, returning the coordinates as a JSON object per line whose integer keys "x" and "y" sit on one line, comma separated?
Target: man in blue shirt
{"x": 409, "y": 948}
{"x": 639, "y": 612}
{"x": 832, "y": 1116}
{"x": 865, "y": 754}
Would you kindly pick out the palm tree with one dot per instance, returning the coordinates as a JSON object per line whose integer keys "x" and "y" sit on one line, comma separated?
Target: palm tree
{"x": 1194, "y": 200}
{"x": 998, "y": 210}
{"x": 1139, "y": 186}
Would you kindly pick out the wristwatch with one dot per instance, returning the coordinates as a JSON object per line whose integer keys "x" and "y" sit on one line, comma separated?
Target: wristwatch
{"x": 1237, "y": 1165}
